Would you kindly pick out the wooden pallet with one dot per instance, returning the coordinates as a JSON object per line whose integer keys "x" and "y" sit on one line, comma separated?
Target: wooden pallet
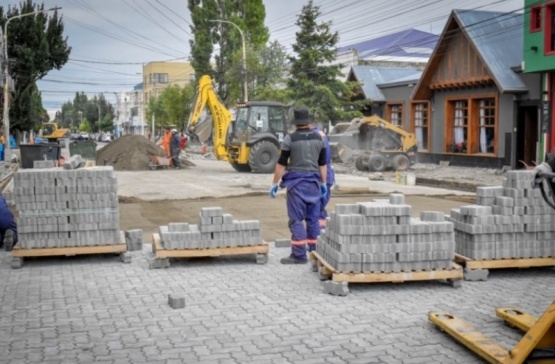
{"x": 478, "y": 269}
{"x": 162, "y": 253}
{"x": 453, "y": 275}
{"x": 470, "y": 263}
{"x": 19, "y": 253}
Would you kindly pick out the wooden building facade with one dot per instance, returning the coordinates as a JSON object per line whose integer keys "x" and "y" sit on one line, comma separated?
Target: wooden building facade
{"x": 472, "y": 106}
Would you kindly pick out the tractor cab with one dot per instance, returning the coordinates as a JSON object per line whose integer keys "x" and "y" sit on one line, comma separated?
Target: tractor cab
{"x": 259, "y": 117}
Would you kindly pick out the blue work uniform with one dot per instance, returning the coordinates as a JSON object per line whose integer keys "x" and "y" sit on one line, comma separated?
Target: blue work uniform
{"x": 330, "y": 180}
{"x": 302, "y": 153}
{"x": 175, "y": 149}
{"x": 7, "y": 221}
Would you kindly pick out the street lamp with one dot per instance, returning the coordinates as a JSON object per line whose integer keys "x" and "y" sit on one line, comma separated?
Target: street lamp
{"x": 245, "y": 94}
{"x": 6, "y": 95}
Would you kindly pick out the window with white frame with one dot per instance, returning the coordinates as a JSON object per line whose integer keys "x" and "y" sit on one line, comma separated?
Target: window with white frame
{"x": 460, "y": 126}
{"x": 396, "y": 114}
{"x": 486, "y": 126}
{"x": 421, "y": 120}
{"x": 159, "y": 78}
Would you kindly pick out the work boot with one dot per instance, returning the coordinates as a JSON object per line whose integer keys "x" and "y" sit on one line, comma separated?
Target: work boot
{"x": 8, "y": 240}
{"x": 311, "y": 247}
{"x": 292, "y": 260}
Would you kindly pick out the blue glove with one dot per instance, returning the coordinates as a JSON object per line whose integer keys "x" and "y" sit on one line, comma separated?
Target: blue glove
{"x": 323, "y": 189}
{"x": 273, "y": 190}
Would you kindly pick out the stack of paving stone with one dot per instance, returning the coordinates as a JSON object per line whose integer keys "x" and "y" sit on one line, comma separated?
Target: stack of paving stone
{"x": 381, "y": 236}
{"x": 66, "y": 208}
{"x": 214, "y": 230}
{"x": 509, "y": 221}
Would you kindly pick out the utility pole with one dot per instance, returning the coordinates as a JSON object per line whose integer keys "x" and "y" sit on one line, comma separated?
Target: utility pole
{"x": 6, "y": 115}
{"x": 153, "y": 130}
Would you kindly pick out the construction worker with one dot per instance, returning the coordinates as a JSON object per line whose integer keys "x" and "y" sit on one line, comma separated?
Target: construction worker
{"x": 8, "y": 226}
{"x": 183, "y": 142}
{"x": 175, "y": 148}
{"x": 2, "y": 145}
{"x": 330, "y": 180}
{"x": 166, "y": 141}
{"x": 303, "y": 154}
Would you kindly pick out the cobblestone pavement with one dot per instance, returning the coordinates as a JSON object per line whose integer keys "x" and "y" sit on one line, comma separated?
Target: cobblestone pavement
{"x": 97, "y": 309}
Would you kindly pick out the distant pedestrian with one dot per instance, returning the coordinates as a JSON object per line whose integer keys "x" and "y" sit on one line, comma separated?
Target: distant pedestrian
{"x": 8, "y": 226}
{"x": 149, "y": 134}
{"x": 2, "y": 145}
{"x": 183, "y": 143}
{"x": 175, "y": 148}
{"x": 303, "y": 154}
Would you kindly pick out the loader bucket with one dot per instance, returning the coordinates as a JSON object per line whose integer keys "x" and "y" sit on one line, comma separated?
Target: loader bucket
{"x": 340, "y": 153}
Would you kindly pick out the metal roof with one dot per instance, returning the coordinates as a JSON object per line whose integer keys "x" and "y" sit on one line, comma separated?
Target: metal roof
{"x": 408, "y": 44}
{"x": 407, "y": 80}
{"x": 498, "y": 38}
{"x": 372, "y": 76}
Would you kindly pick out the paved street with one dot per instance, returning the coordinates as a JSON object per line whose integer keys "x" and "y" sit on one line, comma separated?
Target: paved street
{"x": 97, "y": 309}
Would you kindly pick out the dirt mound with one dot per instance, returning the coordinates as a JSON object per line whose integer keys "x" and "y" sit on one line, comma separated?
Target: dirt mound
{"x": 128, "y": 153}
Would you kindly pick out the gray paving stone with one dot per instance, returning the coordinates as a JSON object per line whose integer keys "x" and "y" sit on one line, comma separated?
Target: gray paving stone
{"x": 242, "y": 312}
{"x": 126, "y": 257}
{"x": 475, "y": 274}
{"x": 282, "y": 243}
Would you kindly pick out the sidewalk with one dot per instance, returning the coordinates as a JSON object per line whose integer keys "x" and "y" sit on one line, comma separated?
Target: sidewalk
{"x": 211, "y": 178}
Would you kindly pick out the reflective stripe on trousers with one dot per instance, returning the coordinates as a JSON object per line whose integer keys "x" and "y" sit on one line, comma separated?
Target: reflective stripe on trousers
{"x": 303, "y": 205}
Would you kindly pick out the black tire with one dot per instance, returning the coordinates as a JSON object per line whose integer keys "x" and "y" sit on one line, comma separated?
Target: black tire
{"x": 377, "y": 163}
{"x": 401, "y": 162}
{"x": 361, "y": 163}
{"x": 263, "y": 157}
{"x": 241, "y": 167}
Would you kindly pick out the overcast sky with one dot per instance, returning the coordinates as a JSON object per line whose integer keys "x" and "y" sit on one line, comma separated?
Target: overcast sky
{"x": 111, "y": 39}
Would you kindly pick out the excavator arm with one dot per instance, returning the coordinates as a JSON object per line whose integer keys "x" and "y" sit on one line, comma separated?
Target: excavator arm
{"x": 221, "y": 116}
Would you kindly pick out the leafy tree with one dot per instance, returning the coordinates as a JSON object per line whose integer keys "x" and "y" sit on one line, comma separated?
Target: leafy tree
{"x": 202, "y": 30}
{"x": 173, "y": 106}
{"x": 248, "y": 15}
{"x": 34, "y": 113}
{"x": 82, "y": 108}
{"x": 266, "y": 70}
{"x": 313, "y": 81}
{"x": 35, "y": 46}
{"x": 85, "y": 126}
{"x": 156, "y": 108}
{"x": 101, "y": 122}
{"x": 273, "y": 64}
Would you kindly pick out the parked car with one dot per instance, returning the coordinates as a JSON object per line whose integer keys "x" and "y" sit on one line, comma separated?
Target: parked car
{"x": 107, "y": 138}
{"x": 84, "y": 135}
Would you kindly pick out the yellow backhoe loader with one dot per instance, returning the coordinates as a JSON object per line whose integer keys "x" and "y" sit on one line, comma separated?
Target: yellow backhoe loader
{"x": 252, "y": 141}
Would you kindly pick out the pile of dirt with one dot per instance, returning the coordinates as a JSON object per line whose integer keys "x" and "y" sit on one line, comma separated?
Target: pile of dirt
{"x": 128, "y": 153}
